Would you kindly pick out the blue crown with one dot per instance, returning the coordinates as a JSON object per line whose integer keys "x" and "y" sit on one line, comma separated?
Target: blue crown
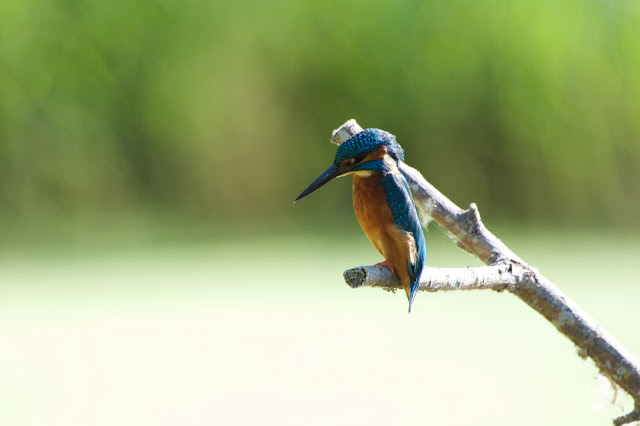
{"x": 367, "y": 141}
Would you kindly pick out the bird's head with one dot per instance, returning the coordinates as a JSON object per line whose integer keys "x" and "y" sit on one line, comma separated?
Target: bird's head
{"x": 363, "y": 153}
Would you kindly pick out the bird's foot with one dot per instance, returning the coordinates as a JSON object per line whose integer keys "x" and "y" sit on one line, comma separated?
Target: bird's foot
{"x": 387, "y": 265}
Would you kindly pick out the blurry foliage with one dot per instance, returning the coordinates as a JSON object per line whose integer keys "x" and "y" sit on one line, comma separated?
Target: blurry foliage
{"x": 222, "y": 110}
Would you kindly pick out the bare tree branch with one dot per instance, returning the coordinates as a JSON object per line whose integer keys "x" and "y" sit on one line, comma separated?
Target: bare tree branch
{"x": 506, "y": 271}
{"x": 495, "y": 277}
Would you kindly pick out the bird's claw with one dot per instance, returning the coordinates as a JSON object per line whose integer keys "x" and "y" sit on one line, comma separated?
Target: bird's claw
{"x": 387, "y": 265}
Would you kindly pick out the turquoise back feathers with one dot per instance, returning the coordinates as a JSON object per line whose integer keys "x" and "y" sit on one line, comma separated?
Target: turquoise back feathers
{"x": 400, "y": 202}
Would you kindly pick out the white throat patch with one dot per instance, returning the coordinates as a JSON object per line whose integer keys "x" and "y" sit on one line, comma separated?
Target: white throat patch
{"x": 390, "y": 162}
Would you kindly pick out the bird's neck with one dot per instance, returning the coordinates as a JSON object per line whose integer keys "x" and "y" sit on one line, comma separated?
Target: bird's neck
{"x": 383, "y": 165}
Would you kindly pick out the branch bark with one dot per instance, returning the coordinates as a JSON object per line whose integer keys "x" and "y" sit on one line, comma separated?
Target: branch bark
{"x": 506, "y": 271}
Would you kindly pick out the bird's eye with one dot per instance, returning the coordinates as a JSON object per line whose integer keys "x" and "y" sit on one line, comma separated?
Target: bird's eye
{"x": 358, "y": 158}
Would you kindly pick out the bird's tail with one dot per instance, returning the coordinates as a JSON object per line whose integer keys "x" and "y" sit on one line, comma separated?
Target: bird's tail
{"x": 413, "y": 290}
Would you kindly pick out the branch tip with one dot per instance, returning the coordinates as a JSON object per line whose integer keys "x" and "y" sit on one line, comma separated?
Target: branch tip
{"x": 355, "y": 277}
{"x": 633, "y": 416}
{"x": 342, "y": 133}
{"x": 473, "y": 217}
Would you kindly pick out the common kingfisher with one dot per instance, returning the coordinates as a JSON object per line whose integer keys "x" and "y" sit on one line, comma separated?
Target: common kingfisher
{"x": 382, "y": 202}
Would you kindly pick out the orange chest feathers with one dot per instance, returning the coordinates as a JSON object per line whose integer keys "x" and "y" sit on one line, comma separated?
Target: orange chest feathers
{"x": 370, "y": 206}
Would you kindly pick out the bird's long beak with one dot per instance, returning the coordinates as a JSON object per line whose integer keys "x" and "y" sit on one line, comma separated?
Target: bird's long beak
{"x": 331, "y": 173}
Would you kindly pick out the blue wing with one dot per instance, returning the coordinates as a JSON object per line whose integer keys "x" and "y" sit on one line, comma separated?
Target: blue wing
{"x": 403, "y": 209}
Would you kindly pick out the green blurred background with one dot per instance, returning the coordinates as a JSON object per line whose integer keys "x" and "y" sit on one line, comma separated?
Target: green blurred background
{"x": 154, "y": 270}
{"x": 219, "y": 111}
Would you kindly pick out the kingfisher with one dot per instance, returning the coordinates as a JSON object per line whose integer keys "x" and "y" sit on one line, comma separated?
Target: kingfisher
{"x": 382, "y": 202}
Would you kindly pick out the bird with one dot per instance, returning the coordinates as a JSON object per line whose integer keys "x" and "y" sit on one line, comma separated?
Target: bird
{"x": 382, "y": 202}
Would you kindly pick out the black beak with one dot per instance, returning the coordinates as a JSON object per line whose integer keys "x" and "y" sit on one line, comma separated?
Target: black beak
{"x": 332, "y": 172}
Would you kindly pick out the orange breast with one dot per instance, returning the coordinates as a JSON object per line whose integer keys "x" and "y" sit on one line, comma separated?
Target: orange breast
{"x": 376, "y": 220}
{"x": 370, "y": 206}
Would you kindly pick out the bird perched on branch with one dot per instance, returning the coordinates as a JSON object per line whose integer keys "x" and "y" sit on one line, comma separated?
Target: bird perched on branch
{"x": 382, "y": 202}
